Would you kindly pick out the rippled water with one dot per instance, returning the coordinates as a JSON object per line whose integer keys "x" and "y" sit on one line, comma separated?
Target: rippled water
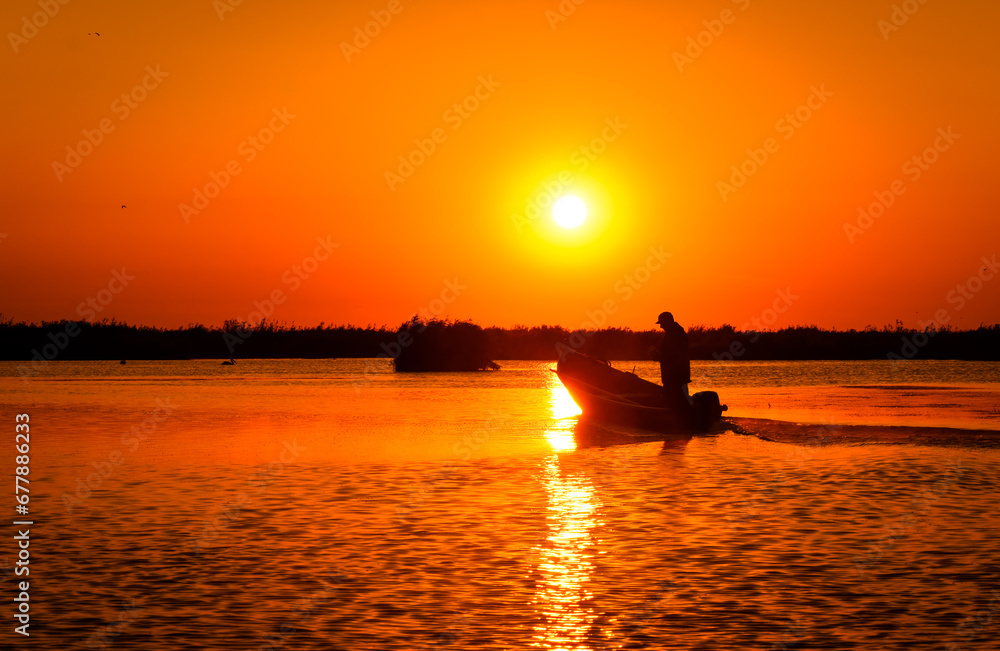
{"x": 335, "y": 505}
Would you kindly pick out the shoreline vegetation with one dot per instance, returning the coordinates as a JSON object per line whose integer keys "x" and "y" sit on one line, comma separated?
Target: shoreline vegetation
{"x": 462, "y": 345}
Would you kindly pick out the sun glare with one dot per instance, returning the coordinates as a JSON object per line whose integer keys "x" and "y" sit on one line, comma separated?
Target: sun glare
{"x": 569, "y": 211}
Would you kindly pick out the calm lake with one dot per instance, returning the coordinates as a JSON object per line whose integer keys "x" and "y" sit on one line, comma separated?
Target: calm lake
{"x": 334, "y": 504}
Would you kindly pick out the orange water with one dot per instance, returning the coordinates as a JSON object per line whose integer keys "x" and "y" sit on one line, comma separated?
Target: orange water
{"x": 330, "y": 504}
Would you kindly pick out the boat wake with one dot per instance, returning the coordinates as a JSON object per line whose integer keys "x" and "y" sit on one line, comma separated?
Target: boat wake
{"x": 826, "y": 434}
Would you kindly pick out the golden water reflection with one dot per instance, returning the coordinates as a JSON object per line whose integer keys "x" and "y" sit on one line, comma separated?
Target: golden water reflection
{"x": 560, "y": 432}
{"x": 565, "y": 565}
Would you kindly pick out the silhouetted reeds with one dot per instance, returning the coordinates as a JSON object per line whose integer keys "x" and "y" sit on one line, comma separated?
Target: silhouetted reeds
{"x": 462, "y": 345}
{"x": 438, "y": 345}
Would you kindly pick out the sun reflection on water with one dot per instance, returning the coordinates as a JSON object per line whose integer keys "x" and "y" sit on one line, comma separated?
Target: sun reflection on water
{"x": 560, "y": 433}
{"x": 562, "y": 404}
{"x": 565, "y": 562}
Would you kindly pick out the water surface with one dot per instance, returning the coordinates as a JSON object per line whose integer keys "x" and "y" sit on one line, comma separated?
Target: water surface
{"x": 316, "y": 504}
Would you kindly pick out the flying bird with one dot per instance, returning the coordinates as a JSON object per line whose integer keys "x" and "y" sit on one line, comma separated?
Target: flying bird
{"x": 123, "y": 205}
{"x": 93, "y": 33}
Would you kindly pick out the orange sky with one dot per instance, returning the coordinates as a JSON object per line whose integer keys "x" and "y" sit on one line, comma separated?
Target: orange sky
{"x": 612, "y": 98}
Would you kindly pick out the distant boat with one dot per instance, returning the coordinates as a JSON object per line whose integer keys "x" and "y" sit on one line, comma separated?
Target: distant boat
{"x": 607, "y": 394}
{"x": 122, "y": 362}
{"x": 229, "y": 362}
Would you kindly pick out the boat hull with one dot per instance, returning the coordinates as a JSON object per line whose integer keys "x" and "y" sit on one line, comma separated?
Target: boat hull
{"x": 607, "y": 394}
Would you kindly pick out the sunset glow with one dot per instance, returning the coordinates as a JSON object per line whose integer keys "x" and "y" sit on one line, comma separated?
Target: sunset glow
{"x": 834, "y": 153}
{"x": 560, "y": 325}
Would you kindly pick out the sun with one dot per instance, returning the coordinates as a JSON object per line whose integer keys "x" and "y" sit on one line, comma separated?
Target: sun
{"x": 569, "y": 211}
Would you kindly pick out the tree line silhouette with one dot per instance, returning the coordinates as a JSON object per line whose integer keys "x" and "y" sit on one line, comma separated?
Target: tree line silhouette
{"x": 461, "y": 344}
{"x": 438, "y": 345}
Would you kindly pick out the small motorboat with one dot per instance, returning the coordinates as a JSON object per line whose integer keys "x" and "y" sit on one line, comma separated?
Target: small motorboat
{"x": 607, "y": 394}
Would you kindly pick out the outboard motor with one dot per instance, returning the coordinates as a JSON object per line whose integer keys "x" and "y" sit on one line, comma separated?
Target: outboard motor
{"x": 706, "y": 409}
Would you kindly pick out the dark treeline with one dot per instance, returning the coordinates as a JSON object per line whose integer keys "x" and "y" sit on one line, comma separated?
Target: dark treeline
{"x": 441, "y": 346}
{"x": 109, "y": 339}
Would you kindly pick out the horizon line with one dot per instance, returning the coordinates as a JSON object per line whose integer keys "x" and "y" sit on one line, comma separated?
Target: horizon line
{"x": 323, "y": 325}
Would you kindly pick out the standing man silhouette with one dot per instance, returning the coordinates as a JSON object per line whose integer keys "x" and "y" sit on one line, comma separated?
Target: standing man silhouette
{"x": 675, "y": 360}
